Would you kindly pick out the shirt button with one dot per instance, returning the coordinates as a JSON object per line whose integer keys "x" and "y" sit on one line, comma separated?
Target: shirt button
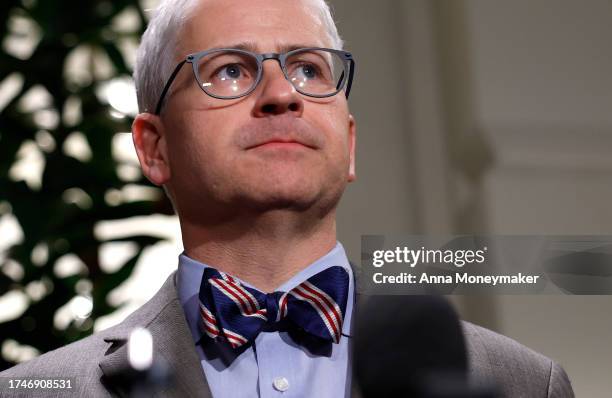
{"x": 281, "y": 384}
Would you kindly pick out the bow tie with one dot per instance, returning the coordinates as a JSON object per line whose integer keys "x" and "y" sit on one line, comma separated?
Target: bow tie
{"x": 236, "y": 313}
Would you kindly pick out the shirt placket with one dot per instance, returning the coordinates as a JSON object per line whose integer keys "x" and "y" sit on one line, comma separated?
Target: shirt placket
{"x": 276, "y": 377}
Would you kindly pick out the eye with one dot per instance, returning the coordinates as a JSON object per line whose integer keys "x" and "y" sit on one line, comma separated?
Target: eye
{"x": 230, "y": 71}
{"x": 308, "y": 71}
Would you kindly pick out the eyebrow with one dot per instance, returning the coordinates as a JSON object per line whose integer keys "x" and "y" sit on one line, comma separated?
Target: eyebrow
{"x": 252, "y": 47}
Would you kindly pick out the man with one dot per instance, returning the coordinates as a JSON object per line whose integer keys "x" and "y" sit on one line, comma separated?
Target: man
{"x": 245, "y": 123}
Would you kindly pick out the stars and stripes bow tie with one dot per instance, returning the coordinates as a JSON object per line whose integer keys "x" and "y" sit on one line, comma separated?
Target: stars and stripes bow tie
{"x": 236, "y": 313}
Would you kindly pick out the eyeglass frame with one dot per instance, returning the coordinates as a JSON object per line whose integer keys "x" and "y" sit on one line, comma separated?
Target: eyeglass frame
{"x": 346, "y": 57}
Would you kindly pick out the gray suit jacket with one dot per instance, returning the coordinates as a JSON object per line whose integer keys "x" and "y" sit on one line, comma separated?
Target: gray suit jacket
{"x": 519, "y": 371}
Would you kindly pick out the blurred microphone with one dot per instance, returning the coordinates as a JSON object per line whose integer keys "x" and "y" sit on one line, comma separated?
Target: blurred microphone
{"x": 411, "y": 346}
{"x": 142, "y": 374}
{"x": 147, "y": 375}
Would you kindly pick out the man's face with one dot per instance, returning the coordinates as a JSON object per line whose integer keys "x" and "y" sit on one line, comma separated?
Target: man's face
{"x": 233, "y": 153}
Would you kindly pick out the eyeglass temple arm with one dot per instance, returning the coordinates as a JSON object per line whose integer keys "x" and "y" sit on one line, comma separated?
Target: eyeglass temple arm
{"x": 340, "y": 81}
{"x": 167, "y": 86}
{"x": 350, "y": 79}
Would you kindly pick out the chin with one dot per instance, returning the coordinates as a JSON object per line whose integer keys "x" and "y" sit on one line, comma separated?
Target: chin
{"x": 281, "y": 200}
{"x": 300, "y": 198}
{"x": 289, "y": 189}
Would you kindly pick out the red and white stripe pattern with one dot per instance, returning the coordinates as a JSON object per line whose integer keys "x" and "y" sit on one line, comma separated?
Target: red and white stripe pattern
{"x": 234, "y": 338}
{"x": 282, "y": 307}
{"x": 212, "y": 330}
{"x": 326, "y": 307}
{"x": 248, "y": 305}
{"x": 210, "y": 322}
{"x": 246, "y": 302}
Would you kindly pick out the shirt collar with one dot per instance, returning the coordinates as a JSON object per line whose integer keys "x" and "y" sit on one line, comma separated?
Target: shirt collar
{"x": 190, "y": 271}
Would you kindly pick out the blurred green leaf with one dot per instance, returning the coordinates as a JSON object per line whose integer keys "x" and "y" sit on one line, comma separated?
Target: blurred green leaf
{"x": 47, "y": 215}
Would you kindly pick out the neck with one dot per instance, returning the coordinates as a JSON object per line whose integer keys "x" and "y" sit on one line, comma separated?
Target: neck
{"x": 264, "y": 250}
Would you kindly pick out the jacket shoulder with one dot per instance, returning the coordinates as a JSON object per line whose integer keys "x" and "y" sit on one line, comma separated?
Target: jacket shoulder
{"x": 81, "y": 360}
{"x": 515, "y": 369}
{"x": 71, "y": 360}
{"x": 76, "y": 362}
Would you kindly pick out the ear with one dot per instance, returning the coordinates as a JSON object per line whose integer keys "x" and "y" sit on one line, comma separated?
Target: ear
{"x": 351, "y": 132}
{"x": 150, "y": 142}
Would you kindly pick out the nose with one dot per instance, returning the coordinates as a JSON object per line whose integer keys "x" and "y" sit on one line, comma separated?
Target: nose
{"x": 276, "y": 95}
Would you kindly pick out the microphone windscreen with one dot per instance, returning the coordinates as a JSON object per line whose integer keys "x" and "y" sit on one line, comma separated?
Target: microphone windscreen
{"x": 403, "y": 343}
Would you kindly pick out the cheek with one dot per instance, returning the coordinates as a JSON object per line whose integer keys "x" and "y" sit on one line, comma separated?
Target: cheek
{"x": 196, "y": 144}
{"x": 334, "y": 122}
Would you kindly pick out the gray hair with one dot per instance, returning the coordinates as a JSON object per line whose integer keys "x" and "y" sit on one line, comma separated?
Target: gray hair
{"x": 156, "y": 56}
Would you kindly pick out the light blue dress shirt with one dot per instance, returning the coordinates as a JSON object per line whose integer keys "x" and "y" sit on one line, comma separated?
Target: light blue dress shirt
{"x": 274, "y": 366}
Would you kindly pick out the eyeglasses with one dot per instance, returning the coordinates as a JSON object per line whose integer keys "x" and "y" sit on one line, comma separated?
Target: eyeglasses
{"x": 229, "y": 73}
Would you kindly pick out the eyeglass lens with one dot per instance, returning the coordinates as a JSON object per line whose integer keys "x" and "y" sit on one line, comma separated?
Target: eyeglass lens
{"x": 230, "y": 73}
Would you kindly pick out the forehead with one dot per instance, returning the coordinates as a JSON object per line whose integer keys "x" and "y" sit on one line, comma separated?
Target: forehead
{"x": 270, "y": 25}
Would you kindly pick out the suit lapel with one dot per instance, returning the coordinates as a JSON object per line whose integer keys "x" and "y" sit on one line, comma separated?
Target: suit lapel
{"x": 173, "y": 343}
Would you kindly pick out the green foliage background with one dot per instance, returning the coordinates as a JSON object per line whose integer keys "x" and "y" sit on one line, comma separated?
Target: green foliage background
{"x": 48, "y": 220}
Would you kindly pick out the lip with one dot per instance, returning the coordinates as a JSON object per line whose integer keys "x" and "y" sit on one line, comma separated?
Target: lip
{"x": 280, "y": 143}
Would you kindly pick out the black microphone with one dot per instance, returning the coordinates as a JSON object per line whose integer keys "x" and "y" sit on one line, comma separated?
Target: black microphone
{"x": 142, "y": 374}
{"x": 411, "y": 346}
